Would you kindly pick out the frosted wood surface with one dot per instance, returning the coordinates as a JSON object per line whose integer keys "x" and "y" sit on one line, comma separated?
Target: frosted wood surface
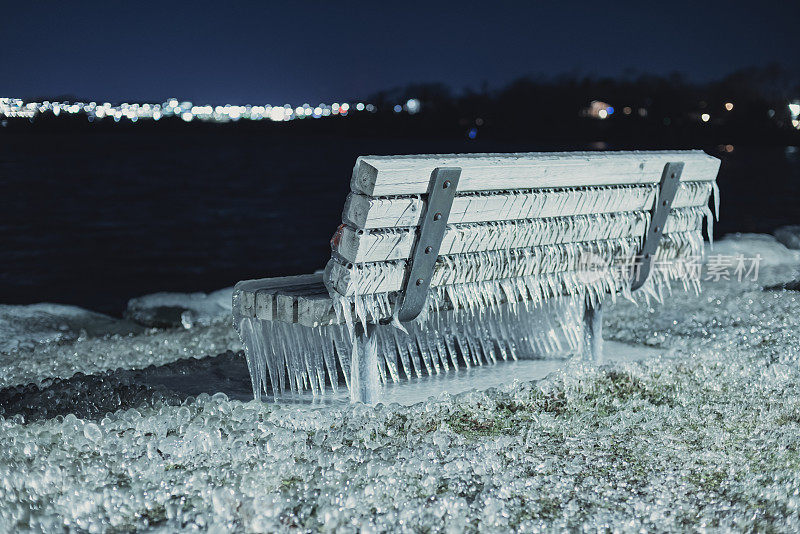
{"x": 296, "y": 299}
{"x": 250, "y": 294}
{"x": 408, "y": 175}
{"x": 382, "y": 277}
{"x": 368, "y": 213}
{"x": 386, "y": 245}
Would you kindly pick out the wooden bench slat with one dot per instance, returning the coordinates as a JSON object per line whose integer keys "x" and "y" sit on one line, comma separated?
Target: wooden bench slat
{"x": 408, "y": 175}
{"x": 299, "y": 299}
{"x": 248, "y": 290}
{"x": 358, "y": 246}
{"x": 365, "y": 212}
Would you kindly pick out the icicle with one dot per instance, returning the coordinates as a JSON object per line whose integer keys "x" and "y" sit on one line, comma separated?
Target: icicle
{"x": 343, "y": 343}
{"x": 402, "y": 352}
{"x": 328, "y": 354}
{"x": 251, "y": 353}
{"x": 364, "y": 381}
{"x": 715, "y": 189}
{"x": 709, "y": 225}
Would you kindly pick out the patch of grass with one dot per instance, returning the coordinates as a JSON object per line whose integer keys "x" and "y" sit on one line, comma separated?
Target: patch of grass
{"x": 155, "y": 517}
{"x": 290, "y": 482}
{"x": 614, "y": 387}
{"x": 506, "y": 415}
{"x": 470, "y": 426}
{"x": 545, "y": 508}
{"x": 549, "y": 508}
{"x": 791, "y": 418}
{"x": 707, "y": 481}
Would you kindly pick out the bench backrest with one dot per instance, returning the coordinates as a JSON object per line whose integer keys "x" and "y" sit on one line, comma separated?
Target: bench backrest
{"x": 519, "y": 223}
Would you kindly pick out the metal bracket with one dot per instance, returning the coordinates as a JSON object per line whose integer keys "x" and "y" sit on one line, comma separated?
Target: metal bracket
{"x": 441, "y": 191}
{"x": 667, "y": 188}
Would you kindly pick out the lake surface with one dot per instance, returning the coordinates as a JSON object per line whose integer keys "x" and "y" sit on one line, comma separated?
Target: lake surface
{"x": 95, "y": 218}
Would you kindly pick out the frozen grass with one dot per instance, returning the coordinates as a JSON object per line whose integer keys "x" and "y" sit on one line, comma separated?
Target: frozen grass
{"x": 706, "y": 439}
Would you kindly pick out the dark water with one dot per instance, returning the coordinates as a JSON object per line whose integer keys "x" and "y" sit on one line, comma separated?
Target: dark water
{"x": 96, "y": 218}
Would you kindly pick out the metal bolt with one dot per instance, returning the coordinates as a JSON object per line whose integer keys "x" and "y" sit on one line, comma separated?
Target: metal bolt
{"x": 420, "y": 281}
{"x": 446, "y": 184}
{"x": 437, "y": 216}
{"x": 428, "y": 250}
{"x": 672, "y": 175}
{"x": 664, "y": 202}
{"x": 656, "y": 229}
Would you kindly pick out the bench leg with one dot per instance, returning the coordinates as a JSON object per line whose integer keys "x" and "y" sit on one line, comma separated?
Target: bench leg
{"x": 593, "y": 333}
{"x": 364, "y": 381}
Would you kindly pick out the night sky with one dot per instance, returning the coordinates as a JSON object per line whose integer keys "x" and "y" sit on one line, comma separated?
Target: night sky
{"x": 297, "y": 52}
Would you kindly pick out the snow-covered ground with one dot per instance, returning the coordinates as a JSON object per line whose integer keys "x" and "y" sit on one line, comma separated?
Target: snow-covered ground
{"x": 693, "y": 423}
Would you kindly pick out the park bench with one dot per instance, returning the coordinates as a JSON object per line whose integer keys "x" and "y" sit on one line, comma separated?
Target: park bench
{"x": 445, "y": 261}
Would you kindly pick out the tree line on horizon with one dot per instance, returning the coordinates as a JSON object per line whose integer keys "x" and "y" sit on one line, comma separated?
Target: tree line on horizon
{"x": 758, "y": 98}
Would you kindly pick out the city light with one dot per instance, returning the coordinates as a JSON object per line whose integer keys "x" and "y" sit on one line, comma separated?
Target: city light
{"x": 598, "y": 110}
{"x": 413, "y": 106}
{"x": 186, "y": 111}
{"x": 794, "y": 111}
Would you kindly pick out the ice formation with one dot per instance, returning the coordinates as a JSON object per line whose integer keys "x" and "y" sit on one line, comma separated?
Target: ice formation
{"x": 492, "y": 284}
{"x": 291, "y": 358}
{"x": 702, "y": 440}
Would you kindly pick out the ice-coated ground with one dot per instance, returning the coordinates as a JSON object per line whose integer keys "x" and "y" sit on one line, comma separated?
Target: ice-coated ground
{"x": 701, "y": 434}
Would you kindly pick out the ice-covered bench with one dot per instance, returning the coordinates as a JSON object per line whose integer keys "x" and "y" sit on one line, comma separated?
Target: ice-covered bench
{"x": 472, "y": 258}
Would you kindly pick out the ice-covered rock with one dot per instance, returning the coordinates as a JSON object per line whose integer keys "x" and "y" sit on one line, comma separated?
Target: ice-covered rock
{"x": 25, "y": 326}
{"x": 168, "y": 310}
{"x": 771, "y": 251}
{"x": 789, "y": 236}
